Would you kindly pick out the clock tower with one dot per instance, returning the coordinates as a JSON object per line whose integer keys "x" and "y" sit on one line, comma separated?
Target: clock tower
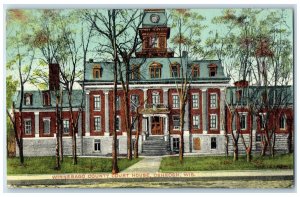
{"x": 154, "y": 34}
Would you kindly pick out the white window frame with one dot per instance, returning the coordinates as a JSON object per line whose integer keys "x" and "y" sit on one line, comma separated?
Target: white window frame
{"x": 96, "y": 103}
{"x": 64, "y": 121}
{"x": 196, "y": 119}
{"x": 216, "y": 101}
{"x": 27, "y": 128}
{"x": 175, "y": 105}
{"x": 195, "y": 99}
{"x": 119, "y": 125}
{"x": 44, "y": 120}
{"x": 210, "y": 121}
{"x": 118, "y": 102}
{"x": 156, "y": 96}
{"x": 135, "y": 125}
{"x": 262, "y": 117}
{"x": 28, "y": 99}
{"x": 243, "y": 114}
{"x": 284, "y": 122}
{"x": 134, "y": 103}
{"x": 97, "y": 141}
{"x": 95, "y": 128}
{"x": 176, "y": 127}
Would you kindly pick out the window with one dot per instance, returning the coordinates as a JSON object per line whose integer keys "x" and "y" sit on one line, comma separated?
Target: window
{"x": 97, "y": 72}
{"x": 238, "y": 95}
{"x": 175, "y": 101}
{"x": 66, "y": 125}
{"x": 135, "y": 72}
{"x": 196, "y": 122}
{"x": 46, "y": 126}
{"x": 154, "y": 42}
{"x": 118, "y": 123}
{"x": 243, "y": 121}
{"x": 97, "y": 123}
{"x": 212, "y": 70}
{"x": 213, "y": 143}
{"x": 134, "y": 102}
{"x": 97, "y": 102}
{"x": 97, "y": 145}
{"x": 176, "y": 122}
{"x": 262, "y": 121}
{"x": 28, "y": 99}
{"x": 175, "y": 70}
{"x": 195, "y": 101}
{"x": 176, "y": 144}
{"x": 258, "y": 137}
{"x": 213, "y": 121}
{"x": 27, "y": 127}
{"x": 155, "y": 98}
{"x": 118, "y": 103}
{"x": 134, "y": 123}
{"x": 213, "y": 100}
{"x": 155, "y": 70}
{"x": 46, "y": 98}
{"x": 195, "y": 71}
{"x": 282, "y": 122}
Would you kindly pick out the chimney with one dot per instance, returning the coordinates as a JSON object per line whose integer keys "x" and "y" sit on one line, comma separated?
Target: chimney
{"x": 241, "y": 84}
{"x": 53, "y": 77}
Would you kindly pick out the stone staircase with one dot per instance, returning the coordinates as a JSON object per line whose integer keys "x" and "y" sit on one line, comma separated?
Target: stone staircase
{"x": 155, "y": 146}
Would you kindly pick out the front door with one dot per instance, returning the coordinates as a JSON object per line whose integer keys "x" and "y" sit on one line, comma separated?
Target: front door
{"x": 156, "y": 126}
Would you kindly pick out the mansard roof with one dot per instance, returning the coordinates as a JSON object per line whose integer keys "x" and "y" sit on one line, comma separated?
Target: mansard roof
{"x": 37, "y": 99}
{"x": 145, "y": 63}
{"x": 285, "y": 95}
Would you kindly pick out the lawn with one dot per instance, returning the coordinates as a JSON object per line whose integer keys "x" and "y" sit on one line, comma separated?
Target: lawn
{"x": 45, "y": 165}
{"x": 223, "y": 163}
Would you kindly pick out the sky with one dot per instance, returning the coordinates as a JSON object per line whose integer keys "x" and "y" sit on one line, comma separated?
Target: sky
{"x": 208, "y": 14}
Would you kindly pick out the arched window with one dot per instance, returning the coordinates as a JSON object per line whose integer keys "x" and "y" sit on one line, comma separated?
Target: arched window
{"x": 135, "y": 72}
{"x": 195, "y": 71}
{"x": 282, "y": 122}
{"x": 46, "y": 98}
{"x": 155, "y": 70}
{"x": 28, "y": 99}
{"x": 175, "y": 69}
{"x": 97, "y": 72}
{"x": 212, "y": 70}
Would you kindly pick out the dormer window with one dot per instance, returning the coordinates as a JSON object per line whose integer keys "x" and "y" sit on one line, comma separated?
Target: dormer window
{"x": 195, "y": 71}
{"x": 212, "y": 70}
{"x": 97, "y": 72}
{"x": 175, "y": 69}
{"x": 28, "y": 99}
{"x": 46, "y": 98}
{"x": 155, "y": 70}
{"x": 135, "y": 72}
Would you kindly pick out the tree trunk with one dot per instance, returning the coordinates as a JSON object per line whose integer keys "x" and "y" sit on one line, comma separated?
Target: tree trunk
{"x": 273, "y": 145}
{"x": 57, "y": 167}
{"x": 136, "y": 144}
{"x": 263, "y": 148}
{"x": 235, "y": 151}
{"x": 128, "y": 123}
{"x": 226, "y": 145}
{"x": 21, "y": 152}
{"x": 181, "y": 145}
{"x": 61, "y": 155}
{"x": 248, "y": 154}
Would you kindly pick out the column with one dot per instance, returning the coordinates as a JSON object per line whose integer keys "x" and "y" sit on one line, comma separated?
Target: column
{"x": 36, "y": 124}
{"x": 222, "y": 111}
{"x": 149, "y": 124}
{"x": 106, "y": 113}
{"x": 166, "y": 131}
{"x": 165, "y": 96}
{"x": 87, "y": 113}
{"x": 204, "y": 110}
{"x": 145, "y": 97}
{"x": 80, "y": 124}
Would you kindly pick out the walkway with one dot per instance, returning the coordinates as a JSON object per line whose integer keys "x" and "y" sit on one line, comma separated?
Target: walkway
{"x": 147, "y": 164}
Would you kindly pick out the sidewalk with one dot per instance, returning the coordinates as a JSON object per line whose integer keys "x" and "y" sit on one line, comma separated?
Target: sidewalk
{"x": 147, "y": 164}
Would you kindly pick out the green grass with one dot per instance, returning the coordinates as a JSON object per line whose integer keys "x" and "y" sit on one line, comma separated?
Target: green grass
{"x": 223, "y": 163}
{"x": 45, "y": 165}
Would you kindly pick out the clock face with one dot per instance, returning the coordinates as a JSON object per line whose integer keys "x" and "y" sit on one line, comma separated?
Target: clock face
{"x": 154, "y": 18}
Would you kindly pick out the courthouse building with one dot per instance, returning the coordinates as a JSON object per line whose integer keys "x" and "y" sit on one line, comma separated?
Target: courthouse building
{"x": 156, "y": 73}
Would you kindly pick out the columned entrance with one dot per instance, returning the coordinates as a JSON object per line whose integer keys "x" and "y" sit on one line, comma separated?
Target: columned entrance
{"x": 157, "y": 125}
